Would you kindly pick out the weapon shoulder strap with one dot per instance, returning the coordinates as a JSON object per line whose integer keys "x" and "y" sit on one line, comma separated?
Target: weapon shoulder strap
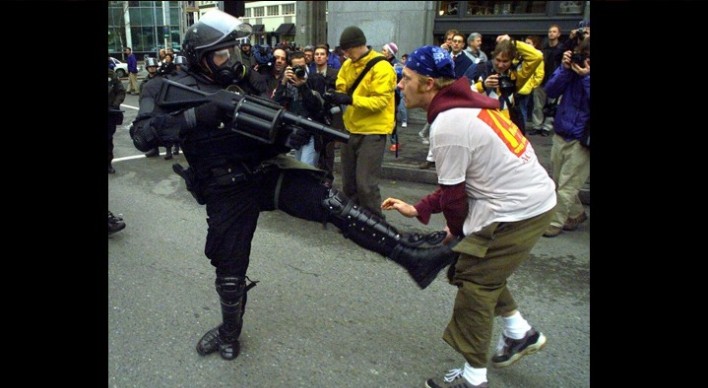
{"x": 368, "y": 67}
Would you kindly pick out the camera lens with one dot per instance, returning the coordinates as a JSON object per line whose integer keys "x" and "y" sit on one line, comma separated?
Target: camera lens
{"x": 299, "y": 72}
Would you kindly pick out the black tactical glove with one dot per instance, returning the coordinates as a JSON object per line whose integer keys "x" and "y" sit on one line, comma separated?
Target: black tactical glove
{"x": 336, "y": 98}
{"x": 211, "y": 114}
{"x": 144, "y": 138}
{"x": 297, "y": 138}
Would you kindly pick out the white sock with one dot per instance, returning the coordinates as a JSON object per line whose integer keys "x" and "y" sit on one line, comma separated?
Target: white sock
{"x": 475, "y": 376}
{"x": 515, "y": 326}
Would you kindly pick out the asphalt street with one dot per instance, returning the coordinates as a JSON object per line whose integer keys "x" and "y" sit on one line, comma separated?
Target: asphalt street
{"x": 325, "y": 312}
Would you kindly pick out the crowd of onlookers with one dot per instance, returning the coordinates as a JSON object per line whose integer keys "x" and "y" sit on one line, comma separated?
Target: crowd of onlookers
{"x": 298, "y": 78}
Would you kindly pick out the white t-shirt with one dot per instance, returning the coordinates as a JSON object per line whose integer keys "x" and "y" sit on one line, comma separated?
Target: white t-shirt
{"x": 504, "y": 180}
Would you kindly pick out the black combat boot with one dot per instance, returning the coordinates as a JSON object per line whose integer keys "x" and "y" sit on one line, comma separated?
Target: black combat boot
{"x": 115, "y": 223}
{"x": 372, "y": 232}
{"x": 153, "y": 153}
{"x": 168, "y": 153}
{"x": 224, "y": 338}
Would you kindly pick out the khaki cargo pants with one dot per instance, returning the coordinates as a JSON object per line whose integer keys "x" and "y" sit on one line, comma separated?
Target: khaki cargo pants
{"x": 487, "y": 259}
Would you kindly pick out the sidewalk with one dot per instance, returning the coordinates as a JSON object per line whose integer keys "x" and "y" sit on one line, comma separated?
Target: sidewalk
{"x": 412, "y": 152}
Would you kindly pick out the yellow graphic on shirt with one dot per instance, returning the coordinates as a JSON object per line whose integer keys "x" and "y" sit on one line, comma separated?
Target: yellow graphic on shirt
{"x": 505, "y": 129}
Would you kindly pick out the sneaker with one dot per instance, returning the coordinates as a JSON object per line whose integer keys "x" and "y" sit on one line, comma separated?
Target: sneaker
{"x": 425, "y": 141}
{"x": 453, "y": 379}
{"x": 572, "y": 223}
{"x": 426, "y": 165}
{"x": 111, "y": 170}
{"x": 421, "y": 134}
{"x": 394, "y": 147}
{"x": 115, "y": 224}
{"x": 152, "y": 153}
{"x": 511, "y": 350}
{"x": 404, "y": 124}
{"x": 552, "y": 231}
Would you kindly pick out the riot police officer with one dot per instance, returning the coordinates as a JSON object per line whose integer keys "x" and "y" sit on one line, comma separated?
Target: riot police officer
{"x": 238, "y": 176}
{"x": 116, "y": 96}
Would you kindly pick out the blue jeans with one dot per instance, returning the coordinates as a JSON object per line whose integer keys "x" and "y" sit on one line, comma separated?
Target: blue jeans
{"x": 307, "y": 153}
{"x": 402, "y": 111}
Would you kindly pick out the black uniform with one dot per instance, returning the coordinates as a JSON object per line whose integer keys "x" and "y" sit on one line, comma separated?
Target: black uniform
{"x": 237, "y": 177}
{"x": 116, "y": 96}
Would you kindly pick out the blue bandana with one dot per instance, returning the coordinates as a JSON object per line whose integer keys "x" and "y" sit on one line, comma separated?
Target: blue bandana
{"x": 432, "y": 61}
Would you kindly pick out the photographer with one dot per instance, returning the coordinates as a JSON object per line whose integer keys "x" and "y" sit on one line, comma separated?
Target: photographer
{"x": 271, "y": 71}
{"x": 297, "y": 94}
{"x": 570, "y": 159}
{"x": 503, "y": 79}
{"x": 577, "y": 36}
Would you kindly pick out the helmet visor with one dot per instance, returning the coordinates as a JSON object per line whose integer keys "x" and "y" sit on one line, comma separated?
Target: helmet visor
{"x": 227, "y": 56}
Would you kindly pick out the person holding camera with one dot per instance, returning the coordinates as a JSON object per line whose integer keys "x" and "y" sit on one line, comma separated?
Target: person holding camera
{"x": 272, "y": 71}
{"x": 570, "y": 159}
{"x": 500, "y": 78}
{"x": 332, "y": 115}
{"x": 238, "y": 174}
{"x": 297, "y": 94}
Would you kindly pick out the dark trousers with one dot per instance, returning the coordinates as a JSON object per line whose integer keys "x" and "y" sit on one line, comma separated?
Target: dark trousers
{"x": 111, "y": 132}
{"x": 233, "y": 210}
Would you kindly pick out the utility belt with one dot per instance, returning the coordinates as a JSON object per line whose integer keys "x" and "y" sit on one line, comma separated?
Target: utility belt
{"x": 226, "y": 175}
{"x": 231, "y": 174}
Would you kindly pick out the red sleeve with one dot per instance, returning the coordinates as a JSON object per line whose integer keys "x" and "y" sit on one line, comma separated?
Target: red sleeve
{"x": 428, "y": 205}
{"x": 451, "y": 201}
{"x": 455, "y": 207}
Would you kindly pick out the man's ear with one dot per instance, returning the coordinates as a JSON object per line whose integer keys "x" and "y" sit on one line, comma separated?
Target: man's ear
{"x": 429, "y": 84}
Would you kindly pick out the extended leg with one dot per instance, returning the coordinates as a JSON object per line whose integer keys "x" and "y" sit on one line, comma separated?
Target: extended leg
{"x": 300, "y": 194}
{"x": 372, "y": 232}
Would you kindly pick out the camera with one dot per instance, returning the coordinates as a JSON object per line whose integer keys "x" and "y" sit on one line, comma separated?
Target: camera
{"x": 300, "y": 71}
{"x": 506, "y": 85}
{"x": 578, "y": 58}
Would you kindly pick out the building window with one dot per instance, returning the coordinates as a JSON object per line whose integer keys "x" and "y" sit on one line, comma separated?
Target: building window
{"x": 288, "y": 9}
{"x": 505, "y": 7}
{"x": 248, "y": 13}
{"x": 570, "y": 7}
{"x": 447, "y": 8}
{"x": 482, "y": 8}
{"x": 273, "y": 10}
{"x": 258, "y": 12}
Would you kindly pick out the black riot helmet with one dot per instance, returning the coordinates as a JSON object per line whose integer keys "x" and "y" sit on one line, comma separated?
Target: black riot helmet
{"x": 216, "y": 30}
{"x": 150, "y": 62}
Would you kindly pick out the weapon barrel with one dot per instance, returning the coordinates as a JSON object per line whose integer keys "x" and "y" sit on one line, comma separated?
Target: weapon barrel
{"x": 175, "y": 95}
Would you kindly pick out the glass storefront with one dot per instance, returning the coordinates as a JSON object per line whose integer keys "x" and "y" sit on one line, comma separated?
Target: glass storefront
{"x": 491, "y": 8}
{"x": 148, "y": 30}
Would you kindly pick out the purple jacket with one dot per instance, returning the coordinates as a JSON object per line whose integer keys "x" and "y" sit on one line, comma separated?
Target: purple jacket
{"x": 574, "y": 108}
{"x": 132, "y": 64}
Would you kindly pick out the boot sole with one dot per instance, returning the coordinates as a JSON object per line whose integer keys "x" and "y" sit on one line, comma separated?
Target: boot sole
{"x": 425, "y": 281}
{"x": 531, "y": 349}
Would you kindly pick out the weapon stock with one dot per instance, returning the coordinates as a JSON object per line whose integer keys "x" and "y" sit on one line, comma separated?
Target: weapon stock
{"x": 254, "y": 117}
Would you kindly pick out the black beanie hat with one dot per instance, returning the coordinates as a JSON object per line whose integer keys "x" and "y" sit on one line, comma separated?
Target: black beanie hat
{"x": 352, "y": 36}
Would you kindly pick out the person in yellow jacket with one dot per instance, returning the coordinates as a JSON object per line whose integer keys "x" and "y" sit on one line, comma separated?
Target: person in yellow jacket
{"x": 369, "y": 117}
{"x": 522, "y": 78}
